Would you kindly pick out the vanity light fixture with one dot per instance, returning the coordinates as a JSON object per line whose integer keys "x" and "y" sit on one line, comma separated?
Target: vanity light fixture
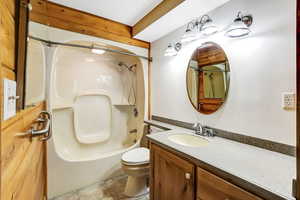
{"x": 172, "y": 50}
{"x": 207, "y": 27}
{"x": 190, "y": 33}
{"x": 97, "y": 50}
{"x": 203, "y": 26}
{"x": 240, "y": 26}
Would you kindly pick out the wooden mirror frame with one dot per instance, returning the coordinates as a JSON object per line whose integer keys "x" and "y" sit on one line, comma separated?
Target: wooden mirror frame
{"x": 22, "y": 18}
{"x": 228, "y": 81}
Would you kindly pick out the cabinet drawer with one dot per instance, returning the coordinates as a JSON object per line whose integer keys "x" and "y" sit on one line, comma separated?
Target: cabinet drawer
{"x": 211, "y": 187}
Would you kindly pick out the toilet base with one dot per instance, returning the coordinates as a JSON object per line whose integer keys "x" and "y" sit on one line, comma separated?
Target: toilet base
{"x": 136, "y": 186}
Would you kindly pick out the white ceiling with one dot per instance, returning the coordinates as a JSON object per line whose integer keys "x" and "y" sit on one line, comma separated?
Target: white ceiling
{"x": 125, "y": 11}
{"x": 178, "y": 17}
{"x": 131, "y": 11}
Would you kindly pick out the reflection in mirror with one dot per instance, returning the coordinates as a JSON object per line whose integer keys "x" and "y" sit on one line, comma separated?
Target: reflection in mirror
{"x": 208, "y": 76}
{"x": 35, "y": 73}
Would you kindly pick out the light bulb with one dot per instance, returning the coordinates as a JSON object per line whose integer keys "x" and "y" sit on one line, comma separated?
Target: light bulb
{"x": 97, "y": 51}
{"x": 188, "y": 36}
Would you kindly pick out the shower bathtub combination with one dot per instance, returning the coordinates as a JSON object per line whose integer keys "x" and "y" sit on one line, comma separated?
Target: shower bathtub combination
{"x": 97, "y": 102}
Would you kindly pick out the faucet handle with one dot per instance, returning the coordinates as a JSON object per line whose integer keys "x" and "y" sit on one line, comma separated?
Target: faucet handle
{"x": 196, "y": 125}
{"x": 198, "y": 128}
{"x": 210, "y": 132}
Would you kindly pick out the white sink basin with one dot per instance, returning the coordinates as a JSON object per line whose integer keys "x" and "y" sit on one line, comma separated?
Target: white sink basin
{"x": 188, "y": 140}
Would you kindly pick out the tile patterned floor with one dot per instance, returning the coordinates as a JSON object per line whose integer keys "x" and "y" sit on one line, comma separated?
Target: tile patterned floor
{"x": 111, "y": 189}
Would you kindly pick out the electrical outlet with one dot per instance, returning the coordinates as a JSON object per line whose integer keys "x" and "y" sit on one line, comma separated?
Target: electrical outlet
{"x": 288, "y": 100}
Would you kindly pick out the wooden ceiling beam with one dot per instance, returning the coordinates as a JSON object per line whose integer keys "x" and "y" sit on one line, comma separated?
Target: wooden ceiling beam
{"x": 58, "y": 16}
{"x": 160, "y": 10}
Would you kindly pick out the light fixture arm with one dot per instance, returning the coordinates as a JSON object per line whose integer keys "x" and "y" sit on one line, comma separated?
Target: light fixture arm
{"x": 198, "y": 23}
{"x": 239, "y": 15}
{"x": 191, "y": 25}
{"x": 204, "y": 19}
{"x": 178, "y": 46}
{"x": 246, "y": 19}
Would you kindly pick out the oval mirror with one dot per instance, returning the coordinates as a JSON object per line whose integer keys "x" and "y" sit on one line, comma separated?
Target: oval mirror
{"x": 207, "y": 78}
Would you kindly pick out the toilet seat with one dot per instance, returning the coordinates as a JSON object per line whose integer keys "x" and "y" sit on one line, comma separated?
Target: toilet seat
{"x": 138, "y": 156}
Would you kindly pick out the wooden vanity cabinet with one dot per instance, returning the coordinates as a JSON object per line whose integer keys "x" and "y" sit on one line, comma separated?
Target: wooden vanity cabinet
{"x": 172, "y": 178}
{"x": 211, "y": 187}
{"x": 175, "y": 178}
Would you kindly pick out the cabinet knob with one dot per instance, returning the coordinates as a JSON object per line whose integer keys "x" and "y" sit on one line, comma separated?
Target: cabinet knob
{"x": 187, "y": 176}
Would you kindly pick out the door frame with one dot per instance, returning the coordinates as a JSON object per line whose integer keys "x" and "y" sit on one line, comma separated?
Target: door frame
{"x": 298, "y": 99}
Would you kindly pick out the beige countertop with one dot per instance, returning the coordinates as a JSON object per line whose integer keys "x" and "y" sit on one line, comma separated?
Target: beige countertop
{"x": 266, "y": 169}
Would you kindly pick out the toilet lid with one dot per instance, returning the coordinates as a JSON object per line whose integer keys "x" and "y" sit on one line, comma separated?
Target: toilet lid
{"x": 136, "y": 156}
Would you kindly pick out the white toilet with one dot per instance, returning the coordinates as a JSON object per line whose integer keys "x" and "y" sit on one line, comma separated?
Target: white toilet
{"x": 135, "y": 164}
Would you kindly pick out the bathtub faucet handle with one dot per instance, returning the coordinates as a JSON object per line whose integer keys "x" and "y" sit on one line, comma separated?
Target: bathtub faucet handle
{"x": 133, "y": 131}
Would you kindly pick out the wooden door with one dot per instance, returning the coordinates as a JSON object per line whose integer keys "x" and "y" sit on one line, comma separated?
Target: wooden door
{"x": 23, "y": 161}
{"x": 171, "y": 177}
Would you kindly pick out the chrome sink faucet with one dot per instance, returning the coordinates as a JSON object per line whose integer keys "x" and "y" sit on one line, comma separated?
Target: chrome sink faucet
{"x": 203, "y": 130}
{"x": 198, "y": 129}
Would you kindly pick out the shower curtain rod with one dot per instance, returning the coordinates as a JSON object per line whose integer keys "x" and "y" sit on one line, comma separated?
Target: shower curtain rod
{"x": 207, "y": 70}
{"x": 48, "y": 42}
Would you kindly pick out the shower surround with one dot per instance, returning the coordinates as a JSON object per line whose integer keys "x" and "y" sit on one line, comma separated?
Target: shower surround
{"x": 98, "y": 108}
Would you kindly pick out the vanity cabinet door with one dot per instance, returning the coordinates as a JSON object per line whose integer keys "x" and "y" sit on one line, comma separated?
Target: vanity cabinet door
{"x": 172, "y": 178}
{"x": 211, "y": 187}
